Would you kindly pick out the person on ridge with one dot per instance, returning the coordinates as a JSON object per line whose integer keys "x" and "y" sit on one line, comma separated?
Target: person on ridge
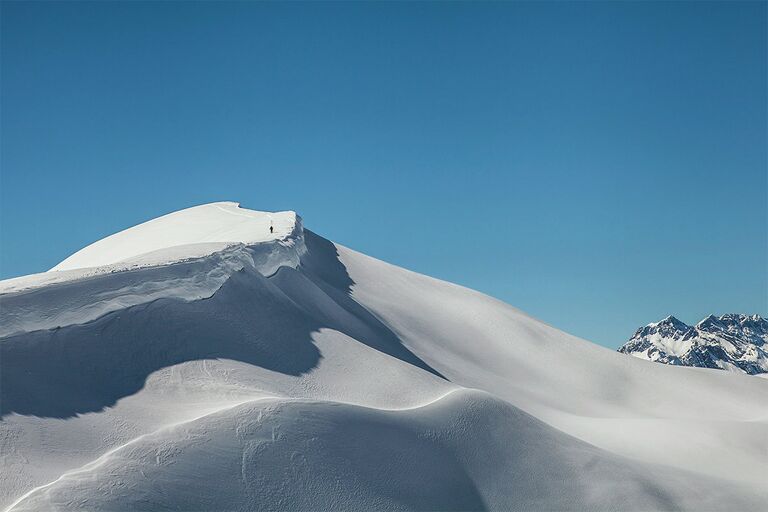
{"x": 271, "y": 228}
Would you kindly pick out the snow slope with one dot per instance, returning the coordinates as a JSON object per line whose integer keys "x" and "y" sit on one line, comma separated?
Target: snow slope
{"x": 247, "y": 371}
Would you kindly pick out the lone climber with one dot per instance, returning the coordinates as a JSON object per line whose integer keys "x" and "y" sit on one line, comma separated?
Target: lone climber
{"x": 271, "y": 228}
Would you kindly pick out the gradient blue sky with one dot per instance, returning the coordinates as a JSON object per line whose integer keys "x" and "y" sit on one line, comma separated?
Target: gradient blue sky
{"x": 598, "y": 165}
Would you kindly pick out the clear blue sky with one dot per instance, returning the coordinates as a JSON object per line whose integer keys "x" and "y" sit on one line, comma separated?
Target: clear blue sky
{"x": 598, "y": 165}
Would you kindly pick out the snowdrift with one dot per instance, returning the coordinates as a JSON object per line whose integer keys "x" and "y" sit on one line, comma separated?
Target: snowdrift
{"x": 200, "y": 361}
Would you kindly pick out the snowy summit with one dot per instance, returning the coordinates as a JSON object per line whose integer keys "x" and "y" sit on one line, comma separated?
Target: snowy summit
{"x": 187, "y": 233}
{"x": 201, "y": 361}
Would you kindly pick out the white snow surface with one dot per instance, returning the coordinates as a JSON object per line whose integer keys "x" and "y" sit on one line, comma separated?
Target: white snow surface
{"x": 220, "y": 368}
{"x": 206, "y": 227}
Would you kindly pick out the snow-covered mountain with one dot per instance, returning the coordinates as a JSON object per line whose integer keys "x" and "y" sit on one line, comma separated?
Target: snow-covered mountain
{"x": 202, "y": 361}
{"x": 732, "y": 342}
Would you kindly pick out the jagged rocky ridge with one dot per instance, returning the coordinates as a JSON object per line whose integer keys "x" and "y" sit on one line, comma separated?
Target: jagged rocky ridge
{"x": 731, "y": 342}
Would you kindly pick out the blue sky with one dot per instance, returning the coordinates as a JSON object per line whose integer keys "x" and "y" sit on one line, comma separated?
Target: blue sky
{"x": 598, "y": 165}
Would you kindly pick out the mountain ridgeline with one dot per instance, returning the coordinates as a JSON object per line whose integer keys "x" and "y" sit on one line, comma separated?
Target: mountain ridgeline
{"x": 733, "y": 342}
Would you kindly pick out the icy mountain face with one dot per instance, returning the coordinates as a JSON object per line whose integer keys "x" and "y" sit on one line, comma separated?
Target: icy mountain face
{"x": 737, "y": 343}
{"x": 203, "y": 361}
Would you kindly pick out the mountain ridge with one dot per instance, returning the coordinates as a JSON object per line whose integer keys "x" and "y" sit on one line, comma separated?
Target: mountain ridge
{"x": 734, "y": 342}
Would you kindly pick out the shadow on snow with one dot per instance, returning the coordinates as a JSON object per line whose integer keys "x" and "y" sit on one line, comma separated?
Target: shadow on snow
{"x": 266, "y": 322}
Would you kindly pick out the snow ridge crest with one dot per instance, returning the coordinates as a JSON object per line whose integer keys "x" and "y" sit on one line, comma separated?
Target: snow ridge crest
{"x": 219, "y": 245}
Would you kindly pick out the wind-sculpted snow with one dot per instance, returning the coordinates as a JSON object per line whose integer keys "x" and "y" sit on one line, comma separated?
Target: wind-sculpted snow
{"x": 463, "y": 451}
{"x": 295, "y": 454}
{"x": 291, "y": 373}
{"x": 216, "y": 225}
{"x": 60, "y": 298}
{"x": 265, "y": 321}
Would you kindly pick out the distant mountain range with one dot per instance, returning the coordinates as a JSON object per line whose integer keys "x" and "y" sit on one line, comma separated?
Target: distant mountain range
{"x": 738, "y": 343}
